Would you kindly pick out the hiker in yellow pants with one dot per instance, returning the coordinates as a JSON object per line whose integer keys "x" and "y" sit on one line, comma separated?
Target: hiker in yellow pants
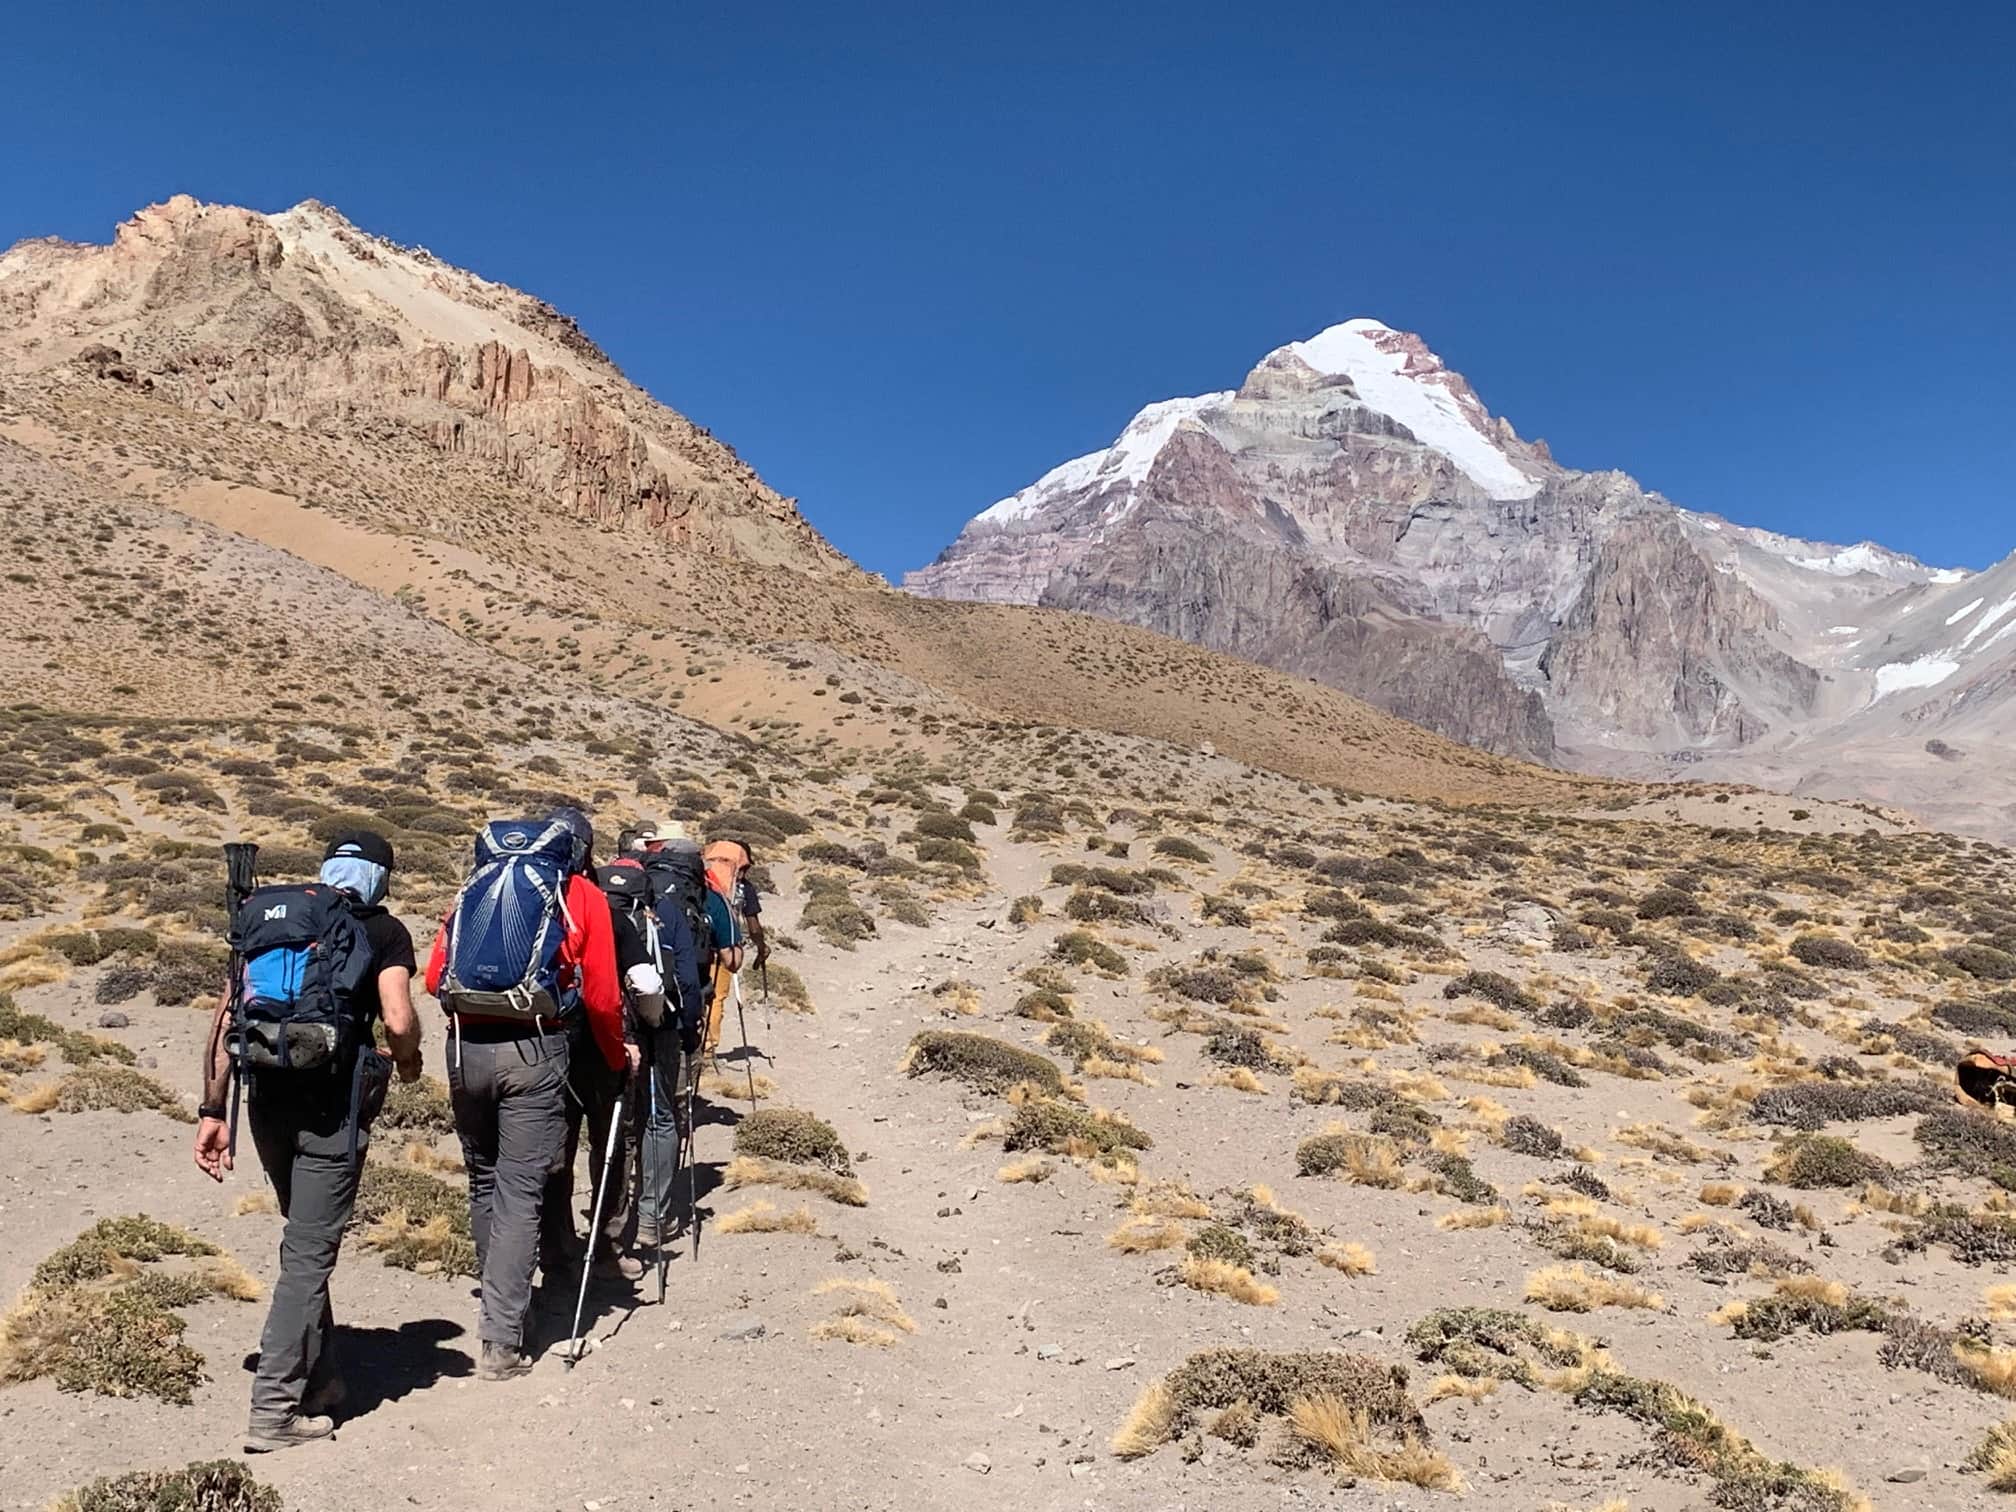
{"x": 727, "y": 862}
{"x": 723, "y": 988}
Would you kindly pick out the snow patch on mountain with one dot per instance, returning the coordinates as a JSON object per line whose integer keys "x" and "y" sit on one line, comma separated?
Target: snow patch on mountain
{"x": 1421, "y": 394}
{"x": 1924, "y": 672}
{"x": 1853, "y": 559}
{"x": 1123, "y": 464}
{"x": 1959, "y": 614}
{"x": 1988, "y": 622}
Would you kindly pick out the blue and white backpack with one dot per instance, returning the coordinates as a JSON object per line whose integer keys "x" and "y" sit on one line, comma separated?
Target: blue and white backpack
{"x": 306, "y": 957}
{"x": 505, "y": 934}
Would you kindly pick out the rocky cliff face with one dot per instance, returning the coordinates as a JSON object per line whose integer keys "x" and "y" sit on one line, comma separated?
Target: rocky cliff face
{"x": 1353, "y": 513}
{"x": 1662, "y": 652}
{"x": 302, "y": 320}
{"x": 1249, "y": 591}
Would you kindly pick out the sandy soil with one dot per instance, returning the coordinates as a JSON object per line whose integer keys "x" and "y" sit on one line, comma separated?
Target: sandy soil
{"x": 1032, "y": 1337}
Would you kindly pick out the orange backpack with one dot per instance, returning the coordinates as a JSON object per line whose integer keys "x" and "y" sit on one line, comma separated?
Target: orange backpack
{"x": 727, "y": 862}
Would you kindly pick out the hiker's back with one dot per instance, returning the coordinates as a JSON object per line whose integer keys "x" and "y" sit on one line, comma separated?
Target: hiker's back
{"x": 307, "y": 958}
{"x": 680, "y": 882}
{"x": 505, "y": 935}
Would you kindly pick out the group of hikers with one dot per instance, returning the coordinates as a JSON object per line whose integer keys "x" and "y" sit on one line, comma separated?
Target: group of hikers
{"x": 579, "y": 1000}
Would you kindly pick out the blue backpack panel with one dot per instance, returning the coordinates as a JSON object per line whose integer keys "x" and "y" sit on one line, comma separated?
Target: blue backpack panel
{"x": 306, "y": 960}
{"x": 509, "y": 922}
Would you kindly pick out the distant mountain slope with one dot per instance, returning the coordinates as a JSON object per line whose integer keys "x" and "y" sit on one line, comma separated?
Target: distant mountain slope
{"x": 1354, "y": 513}
{"x": 302, "y": 319}
{"x": 231, "y": 433}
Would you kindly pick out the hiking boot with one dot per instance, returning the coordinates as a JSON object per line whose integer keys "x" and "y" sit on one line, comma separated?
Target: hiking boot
{"x": 619, "y": 1267}
{"x": 326, "y": 1399}
{"x": 297, "y": 1429}
{"x": 502, "y": 1362}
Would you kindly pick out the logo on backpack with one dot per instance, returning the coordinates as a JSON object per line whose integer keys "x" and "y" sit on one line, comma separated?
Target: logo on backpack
{"x": 509, "y": 922}
{"x": 306, "y": 957}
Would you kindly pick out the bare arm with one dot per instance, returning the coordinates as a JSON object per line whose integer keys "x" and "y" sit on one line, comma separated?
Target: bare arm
{"x": 217, "y": 1057}
{"x": 402, "y": 1022}
{"x": 213, "y": 1144}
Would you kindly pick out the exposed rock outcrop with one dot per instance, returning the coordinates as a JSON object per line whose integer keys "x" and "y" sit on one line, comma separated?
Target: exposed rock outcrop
{"x": 302, "y": 320}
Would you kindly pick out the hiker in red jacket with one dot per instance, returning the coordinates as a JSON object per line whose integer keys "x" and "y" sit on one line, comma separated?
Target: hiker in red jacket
{"x": 509, "y": 1081}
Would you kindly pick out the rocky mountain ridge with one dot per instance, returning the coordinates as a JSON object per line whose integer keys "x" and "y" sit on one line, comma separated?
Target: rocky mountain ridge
{"x": 303, "y": 320}
{"x": 1353, "y": 512}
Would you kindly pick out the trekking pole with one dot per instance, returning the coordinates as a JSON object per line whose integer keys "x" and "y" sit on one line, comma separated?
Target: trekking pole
{"x": 692, "y": 1129}
{"x": 763, "y": 970}
{"x": 657, "y": 1207}
{"x": 748, "y": 1051}
{"x": 595, "y": 1230}
{"x": 241, "y": 863}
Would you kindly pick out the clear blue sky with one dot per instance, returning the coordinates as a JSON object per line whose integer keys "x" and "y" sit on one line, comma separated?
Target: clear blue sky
{"x": 907, "y": 257}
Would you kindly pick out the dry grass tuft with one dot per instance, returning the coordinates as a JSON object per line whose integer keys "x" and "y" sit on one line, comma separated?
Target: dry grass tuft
{"x": 1238, "y": 1078}
{"x": 39, "y": 1099}
{"x": 1342, "y": 1433}
{"x": 1662, "y": 1142}
{"x": 754, "y": 1170}
{"x": 1224, "y": 1279}
{"x": 1418, "y": 1086}
{"x": 1574, "y": 1288}
{"x": 1150, "y": 1423}
{"x": 1473, "y": 1218}
{"x": 1987, "y": 1367}
{"x": 15, "y": 1057}
{"x": 1720, "y": 1194}
{"x": 1995, "y": 1456}
{"x": 1444, "y": 1388}
{"x": 1603, "y": 1226}
{"x": 726, "y": 1088}
{"x": 37, "y": 972}
{"x": 427, "y": 1158}
{"x": 1353, "y": 1259}
{"x": 1112, "y": 1070}
{"x": 2001, "y": 1303}
{"x": 870, "y": 1304}
{"x": 435, "y": 1245}
{"x": 1139, "y": 1236}
{"x": 763, "y": 1218}
{"x": 262, "y": 1201}
{"x": 1168, "y": 1199}
{"x": 227, "y": 1278}
{"x": 1878, "y": 1198}
{"x": 1030, "y": 1168}
{"x": 851, "y": 1330}
{"x": 1447, "y": 1141}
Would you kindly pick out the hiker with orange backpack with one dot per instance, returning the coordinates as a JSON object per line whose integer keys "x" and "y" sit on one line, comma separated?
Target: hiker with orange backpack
{"x": 727, "y": 866}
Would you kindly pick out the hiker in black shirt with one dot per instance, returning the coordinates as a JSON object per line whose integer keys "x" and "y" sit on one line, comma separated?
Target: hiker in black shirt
{"x": 310, "y": 1129}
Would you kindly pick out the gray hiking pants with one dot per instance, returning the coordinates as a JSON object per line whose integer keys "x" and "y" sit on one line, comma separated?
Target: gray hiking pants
{"x": 661, "y": 1109}
{"x": 593, "y": 1091}
{"x": 510, "y": 1112}
{"x": 304, "y": 1144}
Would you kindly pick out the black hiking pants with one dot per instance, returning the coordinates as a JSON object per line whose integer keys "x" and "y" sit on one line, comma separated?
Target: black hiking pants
{"x": 302, "y": 1131}
{"x": 510, "y": 1101}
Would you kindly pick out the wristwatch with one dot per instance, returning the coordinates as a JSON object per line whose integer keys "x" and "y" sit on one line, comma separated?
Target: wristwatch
{"x": 213, "y": 1110}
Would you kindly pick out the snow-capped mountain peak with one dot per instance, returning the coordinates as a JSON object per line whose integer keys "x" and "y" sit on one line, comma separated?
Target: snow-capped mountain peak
{"x": 1122, "y": 465}
{"x": 1395, "y": 373}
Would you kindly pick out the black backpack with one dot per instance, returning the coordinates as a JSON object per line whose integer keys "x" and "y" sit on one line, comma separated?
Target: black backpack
{"x": 306, "y": 958}
{"x": 677, "y": 875}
